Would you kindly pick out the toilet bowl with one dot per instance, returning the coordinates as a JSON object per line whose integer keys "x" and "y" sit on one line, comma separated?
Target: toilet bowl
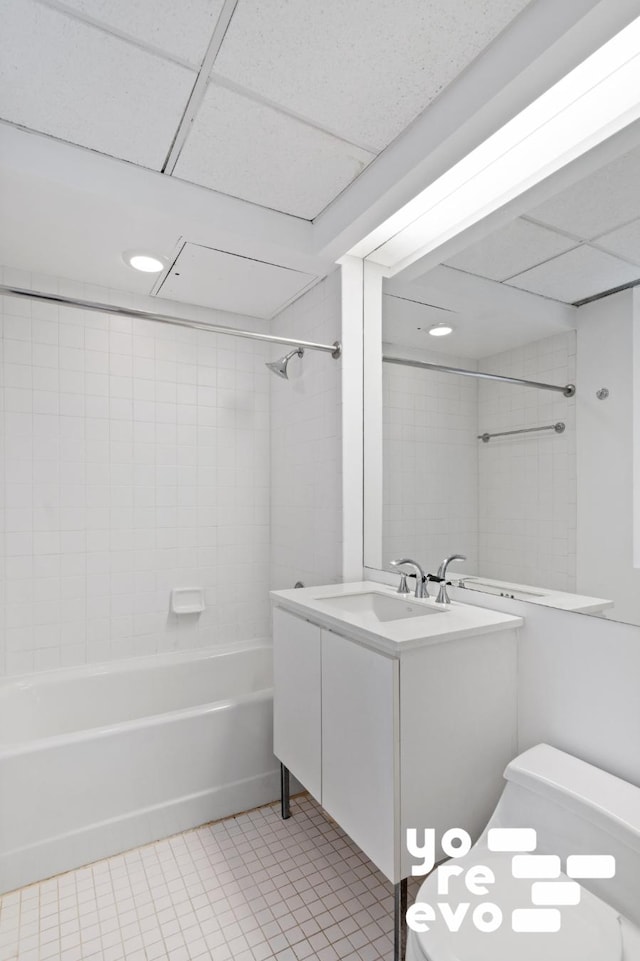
{"x": 561, "y": 878}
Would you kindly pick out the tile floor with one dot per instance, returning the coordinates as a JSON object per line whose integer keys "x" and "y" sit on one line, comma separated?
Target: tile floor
{"x": 249, "y": 888}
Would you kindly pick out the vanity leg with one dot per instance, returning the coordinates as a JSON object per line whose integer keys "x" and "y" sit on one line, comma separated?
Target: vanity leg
{"x": 400, "y": 920}
{"x": 285, "y": 809}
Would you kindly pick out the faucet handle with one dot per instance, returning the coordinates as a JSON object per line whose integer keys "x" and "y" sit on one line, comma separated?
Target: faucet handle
{"x": 403, "y": 587}
{"x": 443, "y": 593}
{"x": 421, "y": 580}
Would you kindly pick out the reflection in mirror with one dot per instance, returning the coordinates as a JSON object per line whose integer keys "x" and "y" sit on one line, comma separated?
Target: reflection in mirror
{"x": 535, "y": 487}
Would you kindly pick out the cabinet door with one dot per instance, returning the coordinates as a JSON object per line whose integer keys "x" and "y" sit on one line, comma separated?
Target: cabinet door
{"x": 296, "y": 704}
{"x": 360, "y": 747}
{"x": 458, "y": 733}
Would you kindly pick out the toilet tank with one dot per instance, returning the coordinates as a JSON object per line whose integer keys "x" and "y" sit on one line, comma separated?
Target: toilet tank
{"x": 576, "y": 808}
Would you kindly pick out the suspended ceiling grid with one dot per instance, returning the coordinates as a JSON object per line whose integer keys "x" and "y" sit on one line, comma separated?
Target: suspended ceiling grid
{"x": 281, "y": 104}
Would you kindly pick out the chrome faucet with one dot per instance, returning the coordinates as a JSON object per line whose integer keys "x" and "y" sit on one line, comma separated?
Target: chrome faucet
{"x": 421, "y": 578}
{"x": 443, "y": 594}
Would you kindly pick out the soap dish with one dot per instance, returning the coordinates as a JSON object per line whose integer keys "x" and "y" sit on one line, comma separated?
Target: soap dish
{"x": 187, "y": 600}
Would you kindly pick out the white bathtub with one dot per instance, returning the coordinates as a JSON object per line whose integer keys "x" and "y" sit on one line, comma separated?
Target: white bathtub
{"x": 99, "y": 759}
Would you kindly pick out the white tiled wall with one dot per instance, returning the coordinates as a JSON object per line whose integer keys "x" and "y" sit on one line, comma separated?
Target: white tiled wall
{"x": 430, "y": 463}
{"x": 135, "y": 459}
{"x": 527, "y": 483}
{"x": 509, "y": 505}
{"x": 306, "y": 460}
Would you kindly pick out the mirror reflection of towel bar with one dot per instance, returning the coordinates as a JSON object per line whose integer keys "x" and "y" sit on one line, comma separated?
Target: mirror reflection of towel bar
{"x": 559, "y": 429}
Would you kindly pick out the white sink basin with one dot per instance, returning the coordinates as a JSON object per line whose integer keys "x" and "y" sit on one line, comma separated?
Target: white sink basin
{"x": 383, "y": 607}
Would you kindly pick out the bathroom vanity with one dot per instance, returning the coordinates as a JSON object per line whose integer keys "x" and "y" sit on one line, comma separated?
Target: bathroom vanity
{"x": 393, "y": 712}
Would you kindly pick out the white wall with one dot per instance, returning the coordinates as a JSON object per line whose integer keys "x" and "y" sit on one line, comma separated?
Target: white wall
{"x": 577, "y": 684}
{"x": 430, "y": 462}
{"x": 135, "y": 460}
{"x": 527, "y": 482}
{"x": 306, "y": 446}
{"x": 605, "y": 454}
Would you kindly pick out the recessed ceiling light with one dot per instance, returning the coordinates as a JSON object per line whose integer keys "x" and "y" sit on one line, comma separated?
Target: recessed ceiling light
{"x": 144, "y": 262}
{"x": 440, "y": 330}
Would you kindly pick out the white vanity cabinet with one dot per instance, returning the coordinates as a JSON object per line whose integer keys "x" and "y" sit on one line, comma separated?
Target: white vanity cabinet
{"x": 385, "y": 741}
{"x": 297, "y": 723}
{"x": 360, "y": 720}
{"x": 348, "y": 775}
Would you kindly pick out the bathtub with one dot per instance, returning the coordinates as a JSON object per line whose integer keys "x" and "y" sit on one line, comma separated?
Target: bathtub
{"x": 98, "y": 759}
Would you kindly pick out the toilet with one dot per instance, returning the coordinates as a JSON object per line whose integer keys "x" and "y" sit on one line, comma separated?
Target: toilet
{"x": 576, "y": 810}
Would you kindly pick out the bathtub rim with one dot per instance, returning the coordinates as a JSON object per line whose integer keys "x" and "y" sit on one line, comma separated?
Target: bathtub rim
{"x": 165, "y": 717}
{"x": 138, "y": 723}
{"x": 164, "y": 658}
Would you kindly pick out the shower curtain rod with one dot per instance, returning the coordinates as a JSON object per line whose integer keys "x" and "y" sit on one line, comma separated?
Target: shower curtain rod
{"x": 334, "y": 349}
{"x": 568, "y": 390}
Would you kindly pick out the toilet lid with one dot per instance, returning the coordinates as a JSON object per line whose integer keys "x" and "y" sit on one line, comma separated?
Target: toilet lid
{"x": 589, "y": 931}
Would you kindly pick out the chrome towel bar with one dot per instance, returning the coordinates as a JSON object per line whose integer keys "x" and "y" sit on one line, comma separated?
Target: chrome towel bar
{"x": 559, "y": 429}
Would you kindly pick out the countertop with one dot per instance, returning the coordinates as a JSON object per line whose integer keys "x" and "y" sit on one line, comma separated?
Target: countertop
{"x": 450, "y": 622}
{"x": 544, "y": 596}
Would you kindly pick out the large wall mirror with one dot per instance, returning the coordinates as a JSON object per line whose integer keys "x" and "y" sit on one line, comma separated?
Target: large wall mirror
{"x": 535, "y": 485}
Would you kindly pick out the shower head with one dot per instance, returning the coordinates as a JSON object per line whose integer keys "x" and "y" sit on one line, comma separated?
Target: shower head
{"x": 279, "y": 366}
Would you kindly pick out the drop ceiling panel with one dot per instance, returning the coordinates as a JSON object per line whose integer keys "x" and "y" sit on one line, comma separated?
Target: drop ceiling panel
{"x": 511, "y": 250}
{"x": 248, "y": 150}
{"x": 179, "y": 29}
{"x": 596, "y": 205}
{"x": 77, "y": 83}
{"x": 213, "y": 278}
{"x": 625, "y": 242}
{"x": 363, "y": 68}
{"x": 577, "y": 274}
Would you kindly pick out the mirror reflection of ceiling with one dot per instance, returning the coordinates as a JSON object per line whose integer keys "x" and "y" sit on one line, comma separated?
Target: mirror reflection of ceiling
{"x": 577, "y": 245}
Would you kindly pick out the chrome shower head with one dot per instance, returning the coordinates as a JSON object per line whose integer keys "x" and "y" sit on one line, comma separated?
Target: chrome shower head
{"x": 279, "y": 366}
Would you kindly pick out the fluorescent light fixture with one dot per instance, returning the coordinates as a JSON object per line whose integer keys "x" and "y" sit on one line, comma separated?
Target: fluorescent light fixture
{"x": 440, "y": 330}
{"x": 591, "y": 103}
{"x": 139, "y": 260}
